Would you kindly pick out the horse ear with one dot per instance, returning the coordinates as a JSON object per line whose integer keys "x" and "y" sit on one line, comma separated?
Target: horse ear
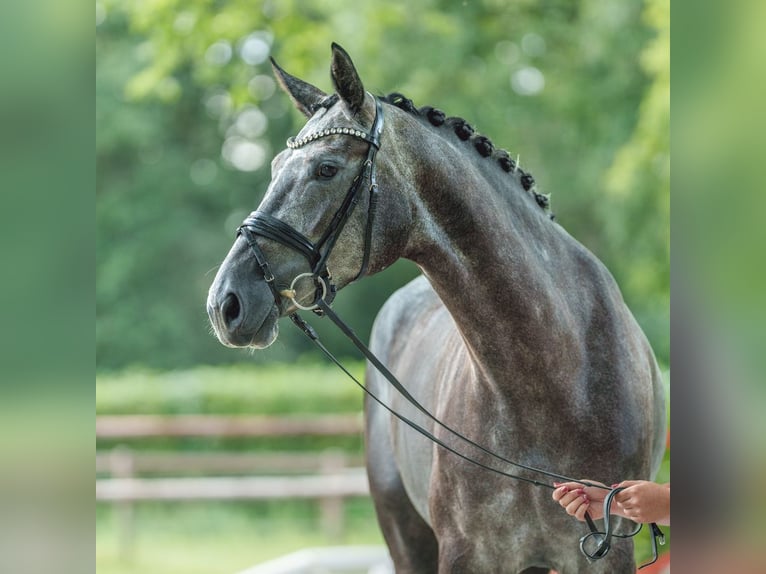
{"x": 305, "y": 96}
{"x": 345, "y": 79}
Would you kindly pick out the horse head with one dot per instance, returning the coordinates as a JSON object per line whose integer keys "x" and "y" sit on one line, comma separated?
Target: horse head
{"x": 320, "y": 225}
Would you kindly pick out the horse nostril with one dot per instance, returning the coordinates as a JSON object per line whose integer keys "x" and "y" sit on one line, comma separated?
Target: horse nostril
{"x": 231, "y": 310}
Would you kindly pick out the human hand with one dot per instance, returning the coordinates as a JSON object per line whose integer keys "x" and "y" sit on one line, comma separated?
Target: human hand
{"x": 643, "y": 501}
{"x": 578, "y": 499}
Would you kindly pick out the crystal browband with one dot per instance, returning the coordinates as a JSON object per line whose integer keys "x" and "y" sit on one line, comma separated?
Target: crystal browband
{"x": 293, "y": 143}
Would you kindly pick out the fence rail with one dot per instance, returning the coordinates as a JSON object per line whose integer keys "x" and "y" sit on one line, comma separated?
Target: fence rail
{"x": 352, "y": 482}
{"x": 216, "y": 463}
{"x": 335, "y": 475}
{"x": 134, "y": 426}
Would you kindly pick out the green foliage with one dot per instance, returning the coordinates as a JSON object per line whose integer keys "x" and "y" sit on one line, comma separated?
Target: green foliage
{"x": 636, "y": 212}
{"x": 173, "y": 79}
{"x": 237, "y": 389}
{"x": 245, "y": 389}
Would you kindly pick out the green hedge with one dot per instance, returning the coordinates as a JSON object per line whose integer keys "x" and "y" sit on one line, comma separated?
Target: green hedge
{"x": 289, "y": 390}
{"x": 240, "y": 389}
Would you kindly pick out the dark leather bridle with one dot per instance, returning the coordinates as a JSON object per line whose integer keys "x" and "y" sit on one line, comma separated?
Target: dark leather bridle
{"x": 596, "y": 543}
{"x": 316, "y": 254}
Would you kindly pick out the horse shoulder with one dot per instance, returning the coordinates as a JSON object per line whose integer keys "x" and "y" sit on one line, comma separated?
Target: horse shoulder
{"x": 416, "y": 338}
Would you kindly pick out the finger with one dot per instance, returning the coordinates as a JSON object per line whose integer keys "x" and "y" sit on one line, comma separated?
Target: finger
{"x": 573, "y": 496}
{"x": 569, "y": 485}
{"x": 569, "y": 497}
{"x": 623, "y": 497}
{"x": 628, "y": 509}
{"x": 627, "y": 483}
{"x": 581, "y": 510}
{"x": 560, "y": 492}
{"x": 575, "y": 505}
{"x": 633, "y": 514}
{"x": 595, "y": 494}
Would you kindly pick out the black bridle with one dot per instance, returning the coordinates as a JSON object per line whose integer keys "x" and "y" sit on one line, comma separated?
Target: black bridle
{"x": 596, "y": 543}
{"x": 316, "y": 254}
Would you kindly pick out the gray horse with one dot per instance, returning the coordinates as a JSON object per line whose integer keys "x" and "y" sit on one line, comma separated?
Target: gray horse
{"x": 517, "y": 335}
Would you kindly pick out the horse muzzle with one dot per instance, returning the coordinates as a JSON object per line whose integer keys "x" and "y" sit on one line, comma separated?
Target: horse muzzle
{"x": 243, "y": 318}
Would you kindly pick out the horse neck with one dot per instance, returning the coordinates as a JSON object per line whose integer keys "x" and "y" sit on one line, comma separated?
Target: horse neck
{"x": 487, "y": 249}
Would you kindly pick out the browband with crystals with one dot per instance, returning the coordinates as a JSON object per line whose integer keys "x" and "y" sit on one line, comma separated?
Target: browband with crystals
{"x": 293, "y": 143}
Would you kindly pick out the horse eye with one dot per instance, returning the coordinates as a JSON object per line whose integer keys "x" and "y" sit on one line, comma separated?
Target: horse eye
{"x": 327, "y": 170}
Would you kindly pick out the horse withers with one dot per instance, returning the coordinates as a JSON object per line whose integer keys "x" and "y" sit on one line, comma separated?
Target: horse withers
{"x": 515, "y": 334}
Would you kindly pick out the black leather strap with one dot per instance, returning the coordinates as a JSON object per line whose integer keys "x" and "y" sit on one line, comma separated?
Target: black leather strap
{"x": 332, "y": 233}
{"x": 263, "y": 263}
{"x": 277, "y": 230}
{"x": 262, "y": 224}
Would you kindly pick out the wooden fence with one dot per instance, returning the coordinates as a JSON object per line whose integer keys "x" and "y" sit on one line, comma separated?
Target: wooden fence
{"x": 133, "y": 426}
{"x": 122, "y": 461}
{"x": 329, "y": 476}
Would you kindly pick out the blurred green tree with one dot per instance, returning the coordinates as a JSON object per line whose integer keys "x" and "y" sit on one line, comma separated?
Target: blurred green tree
{"x": 635, "y": 216}
{"x": 189, "y": 118}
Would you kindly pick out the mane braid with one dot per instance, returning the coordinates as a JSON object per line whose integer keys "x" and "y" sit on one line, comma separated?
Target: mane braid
{"x": 482, "y": 144}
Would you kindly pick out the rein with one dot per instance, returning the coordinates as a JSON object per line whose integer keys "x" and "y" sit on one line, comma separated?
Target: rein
{"x": 595, "y": 544}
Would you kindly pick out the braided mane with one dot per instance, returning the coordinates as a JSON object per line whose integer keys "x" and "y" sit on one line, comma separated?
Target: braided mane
{"x": 464, "y": 131}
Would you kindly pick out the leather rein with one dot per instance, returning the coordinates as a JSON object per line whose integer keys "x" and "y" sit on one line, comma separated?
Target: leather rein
{"x": 596, "y": 543}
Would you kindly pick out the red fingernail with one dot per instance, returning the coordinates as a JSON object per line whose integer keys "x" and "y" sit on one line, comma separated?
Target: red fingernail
{"x": 585, "y": 498}
{"x": 615, "y": 485}
{"x": 556, "y": 484}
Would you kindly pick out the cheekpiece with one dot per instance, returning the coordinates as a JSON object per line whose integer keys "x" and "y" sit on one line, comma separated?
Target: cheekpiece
{"x": 293, "y": 143}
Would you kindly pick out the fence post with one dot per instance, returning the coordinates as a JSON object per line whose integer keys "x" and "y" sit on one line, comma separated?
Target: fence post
{"x": 122, "y": 466}
{"x": 331, "y": 515}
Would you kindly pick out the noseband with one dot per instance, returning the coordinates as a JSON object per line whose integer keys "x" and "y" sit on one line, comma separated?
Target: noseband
{"x": 316, "y": 254}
